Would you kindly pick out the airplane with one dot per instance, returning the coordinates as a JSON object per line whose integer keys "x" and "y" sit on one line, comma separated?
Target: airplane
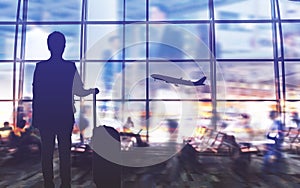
{"x": 178, "y": 81}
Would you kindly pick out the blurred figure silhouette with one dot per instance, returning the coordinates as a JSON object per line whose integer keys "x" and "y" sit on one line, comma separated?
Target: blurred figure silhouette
{"x": 111, "y": 69}
{"x": 241, "y": 130}
{"x": 127, "y": 127}
{"x": 55, "y": 83}
{"x": 166, "y": 41}
{"x": 273, "y": 155}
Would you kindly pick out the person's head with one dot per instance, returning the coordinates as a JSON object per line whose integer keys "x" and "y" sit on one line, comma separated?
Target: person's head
{"x": 6, "y": 124}
{"x": 56, "y": 43}
{"x": 245, "y": 118}
{"x": 158, "y": 12}
{"x": 273, "y": 114}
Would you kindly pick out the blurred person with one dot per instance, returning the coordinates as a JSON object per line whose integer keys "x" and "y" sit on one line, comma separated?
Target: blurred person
{"x": 111, "y": 69}
{"x": 241, "y": 130}
{"x": 82, "y": 124}
{"x": 290, "y": 46}
{"x": 276, "y": 133}
{"x": 6, "y": 126}
{"x": 166, "y": 41}
{"x": 55, "y": 82}
{"x": 128, "y": 125}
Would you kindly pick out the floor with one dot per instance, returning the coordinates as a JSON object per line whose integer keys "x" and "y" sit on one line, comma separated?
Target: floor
{"x": 179, "y": 171}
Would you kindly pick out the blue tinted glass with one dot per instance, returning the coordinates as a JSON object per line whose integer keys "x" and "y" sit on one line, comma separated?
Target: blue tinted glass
{"x": 48, "y": 10}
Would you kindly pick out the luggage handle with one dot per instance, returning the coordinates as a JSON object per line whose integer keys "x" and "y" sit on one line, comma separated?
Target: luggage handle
{"x": 94, "y": 110}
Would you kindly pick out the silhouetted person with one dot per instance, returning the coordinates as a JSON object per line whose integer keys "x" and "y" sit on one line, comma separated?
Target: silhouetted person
{"x": 55, "y": 83}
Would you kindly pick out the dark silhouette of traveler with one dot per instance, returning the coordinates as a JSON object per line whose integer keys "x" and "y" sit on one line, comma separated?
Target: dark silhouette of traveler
{"x": 55, "y": 83}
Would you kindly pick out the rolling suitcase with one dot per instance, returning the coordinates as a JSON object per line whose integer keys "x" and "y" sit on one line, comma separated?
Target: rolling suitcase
{"x": 106, "y": 154}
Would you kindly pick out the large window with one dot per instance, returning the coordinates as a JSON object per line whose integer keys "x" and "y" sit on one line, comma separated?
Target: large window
{"x": 248, "y": 50}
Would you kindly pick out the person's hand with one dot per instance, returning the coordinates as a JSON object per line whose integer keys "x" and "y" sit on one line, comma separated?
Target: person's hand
{"x": 96, "y": 90}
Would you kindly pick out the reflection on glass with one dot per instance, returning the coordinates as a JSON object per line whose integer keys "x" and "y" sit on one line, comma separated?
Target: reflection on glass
{"x": 292, "y": 79}
{"x": 105, "y": 10}
{"x": 170, "y": 41}
{"x": 289, "y": 9}
{"x": 248, "y": 9}
{"x": 36, "y": 41}
{"x": 248, "y": 80}
{"x": 172, "y": 120}
{"x": 104, "y": 42}
{"x": 291, "y": 40}
{"x": 292, "y": 117}
{"x": 107, "y": 76}
{"x": 67, "y": 10}
{"x": 257, "y": 111}
{"x": 6, "y": 112}
{"x": 83, "y": 127}
{"x": 244, "y": 40}
{"x": 6, "y": 80}
{"x": 135, "y": 80}
{"x": 135, "y": 10}
{"x": 135, "y": 43}
{"x": 28, "y": 79}
{"x": 178, "y": 10}
{"x": 7, "y": 42}
{"x": 8, "y": 10}
{"x": 162, "y": 43}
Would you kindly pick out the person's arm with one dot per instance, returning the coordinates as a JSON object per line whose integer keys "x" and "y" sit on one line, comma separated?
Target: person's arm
{"x": 78, "y": 88}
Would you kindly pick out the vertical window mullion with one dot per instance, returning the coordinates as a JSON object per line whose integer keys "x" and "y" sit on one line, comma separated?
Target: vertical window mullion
{"x": 15, "y": 60}
{"x": 213, "y": 63}
{"x": 275, "y": 54}
{"x": 147, "y": 70}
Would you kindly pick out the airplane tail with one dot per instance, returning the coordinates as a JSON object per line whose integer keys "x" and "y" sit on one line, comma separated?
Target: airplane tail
{"x": 200, "y": 82}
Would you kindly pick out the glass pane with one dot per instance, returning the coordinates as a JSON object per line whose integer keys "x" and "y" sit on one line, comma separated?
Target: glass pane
{"x": 258, "y": 113}
{"x": 174, "y": 41}
{"x": 107, "y": 76}
{"x": 7, "y": 39}
{"x": 135, "y": 43}
{"x": 6, "y": 80}
{"x": 248, "y": 80}
{"x": 135, "y": 10}
{"x": 83, "y": 120}
{"x": 67, "y": 10}
{"x": 28, "y": 80}
{"x": 8, "y": 10}
{"x": 36, "y": 41}
{"x": 291, "y": 40}
{"x": 172, "y": 120}
{"x": 292, "y": 116}
{"x": 6, "y": 112}
{"x": 237, "y": 10}
{"x": 289, "y": 9}
{"x": 104, "y": 42}
{"x": 178, "y": 10}
{"x": 174, "y": 80}
{"x": 136, "y": 111}
{"x": 105, "y": 10}
{"x": 244, "y": 40}
{"x": 292, "y": 78}
{"x": 135, "y": 80}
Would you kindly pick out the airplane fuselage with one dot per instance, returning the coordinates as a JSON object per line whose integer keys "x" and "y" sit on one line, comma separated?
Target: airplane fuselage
{"x": 177, "y": 81}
